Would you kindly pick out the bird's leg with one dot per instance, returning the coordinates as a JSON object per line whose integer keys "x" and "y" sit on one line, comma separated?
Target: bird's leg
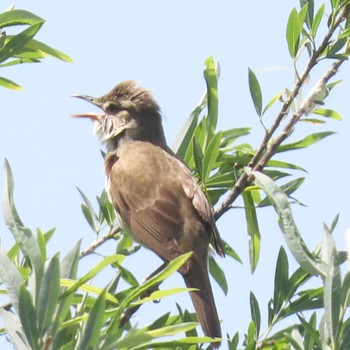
{"x": 129, "y": 312}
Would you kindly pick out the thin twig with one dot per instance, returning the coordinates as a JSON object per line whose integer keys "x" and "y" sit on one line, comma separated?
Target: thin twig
{"x": 268, "y": 147}
{"x": 110, "y": 235}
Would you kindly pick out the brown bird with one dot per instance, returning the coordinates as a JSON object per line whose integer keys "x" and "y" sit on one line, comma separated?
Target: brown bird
{"x": 158, "y": 199}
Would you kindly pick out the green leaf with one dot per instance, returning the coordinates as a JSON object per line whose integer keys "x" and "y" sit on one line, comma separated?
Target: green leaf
{"x": 23, "y": 236}
{"x": 47, "y": 50}
{"x": 92, "y": 329}
{"x": 48, "y": 296}
{"x": 9, "y": 84}
{"x": 198, "y": 157}
{"x": 16, "y": 44}
{"x": 332, "y": 284}
{"x": 218, "y": 274}
{"x": 292, "y": 236}
{"x": 28, "y": 317}
{"x": 302, "y": 14}
{"x": 306, "y": 142}
{"x": 253, "y": 229}
{"x": 142, "y": 340}
{"x": 211, "y": 76}
{"x": 225, "y": 180}
{"x": 230, "y": 135}
{"x": 93, "y": 272}
{"x": 230, "y": 252}
{"x": 255, "y": 91}
{"x": 13, "y": 329}
{"x": 329, "y": 113}
{"x": 88, "y": 211}
{"x": 293, "y": 32}
{"x": 11, "y": 278}
{"x": 272, "y": 102}
{"x": 317, "y": 20}
{"x": 287, "y": 188}
{"x": 281, "y": 280}
{"x": 255, "y": 313}
{"x": 69, "y": 265}
{"x": 16, "y": 17}
{"x": 284, "y": 165}
{"x": 184, "y": 137}
{"x": 211, "y": 155}
{"x": 336, "y": 47}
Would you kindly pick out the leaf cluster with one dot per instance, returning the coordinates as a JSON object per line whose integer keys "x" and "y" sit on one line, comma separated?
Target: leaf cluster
{"x": 22, "y": 47}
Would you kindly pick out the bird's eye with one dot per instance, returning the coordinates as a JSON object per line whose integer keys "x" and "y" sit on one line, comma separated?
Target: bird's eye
{"x": 111, "y": 108}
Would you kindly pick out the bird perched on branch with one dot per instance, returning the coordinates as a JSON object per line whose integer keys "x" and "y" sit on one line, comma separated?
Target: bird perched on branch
{"x": 157, "y": 197}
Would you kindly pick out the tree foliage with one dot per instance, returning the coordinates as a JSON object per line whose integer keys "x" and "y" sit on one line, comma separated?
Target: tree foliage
{"x": 51, "y": 307}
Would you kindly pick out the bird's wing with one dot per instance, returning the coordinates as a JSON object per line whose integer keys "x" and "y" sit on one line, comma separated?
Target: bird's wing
{"x": 201, "y": 204}
{"x": 149, "y": 199}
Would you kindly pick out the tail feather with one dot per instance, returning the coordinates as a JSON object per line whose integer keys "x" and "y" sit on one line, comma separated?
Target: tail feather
{"x": 203, "y": 301}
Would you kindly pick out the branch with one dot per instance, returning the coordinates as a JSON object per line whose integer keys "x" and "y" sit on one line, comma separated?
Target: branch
{"x": 110, "y": 235}
{"x": 268, "y": 146}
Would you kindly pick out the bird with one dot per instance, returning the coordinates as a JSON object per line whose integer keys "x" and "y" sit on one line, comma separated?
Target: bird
{"x": 155, "y": 194}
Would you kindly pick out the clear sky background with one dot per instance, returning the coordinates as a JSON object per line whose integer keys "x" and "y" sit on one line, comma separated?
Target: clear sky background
{"x": 163, "y": 45}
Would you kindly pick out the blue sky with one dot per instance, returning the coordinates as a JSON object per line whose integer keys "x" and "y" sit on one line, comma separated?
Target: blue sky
{"x": 162, "y": 45}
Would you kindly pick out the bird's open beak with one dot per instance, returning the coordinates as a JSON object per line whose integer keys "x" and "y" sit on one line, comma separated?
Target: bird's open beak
{"x": 92, "y": 100}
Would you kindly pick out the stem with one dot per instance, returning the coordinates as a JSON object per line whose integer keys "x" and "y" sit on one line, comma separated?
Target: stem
{"x": 268, "y": 146}
{"x": 110, "y": 235}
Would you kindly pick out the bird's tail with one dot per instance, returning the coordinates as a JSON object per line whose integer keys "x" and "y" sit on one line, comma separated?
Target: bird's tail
{"x": 203, "y": 301}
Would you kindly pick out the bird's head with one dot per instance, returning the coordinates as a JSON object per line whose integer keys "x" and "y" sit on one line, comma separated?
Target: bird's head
{"x": 129, "y": 113}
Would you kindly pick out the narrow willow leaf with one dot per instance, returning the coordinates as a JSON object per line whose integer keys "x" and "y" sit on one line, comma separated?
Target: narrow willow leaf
{"x": 48, "y": 296}
{"x": 229, "y": 251}
{"x": 292, "y": 236}
{"x": 306, "y": 142}
{"x": 230, "y": 135}
{"x": 89, "y": 206}
{"x": 272, "y": 102}
{"x": 255, "y": 313}
{"x": 14, "y": 330}
{"x": 198, "y": 157}
{"x": 93, "y": 272}
{"x": 9, "y": 84}
{"x": 253, "y": 229}
{"x": 16, "y": 44}
{"x": 255, "y": 91}
{"x": 332, "y": 284}
{"x": 329, "y": 113}
{"x": 28, "y": 317}
{"x": 184, "y": 137}
{"x": 218, "y": 274}
{"x": 317, "y": 20}
{"x": 287, "y": 188}
{"x": 11, "y": 278}
{"x": 313, "y": 121}
{"x": 142, "y": 340}
{"x": 225, "y": 180}
{"x": 334, "y": 223}
{"x": 345, "y": 34}
{"x": 303, "y": 14}
{"x": 168, "y": 270}
{"x": 47, "y": 50}
{"x": 211, "y": 79}
{"x": 92, "y": 330}
{"x": 211, "y": 155}
{"x": 281, "y": 280}
{"x": 69, "y": 264}
{"x": 23, "y": 236}
{"x": 293, "y": 32}
{"x": 16, "y": 17}
{"x": 164, "y": 293}
{"x": 284, "y": 165}
{"x": 336, "y": 47}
